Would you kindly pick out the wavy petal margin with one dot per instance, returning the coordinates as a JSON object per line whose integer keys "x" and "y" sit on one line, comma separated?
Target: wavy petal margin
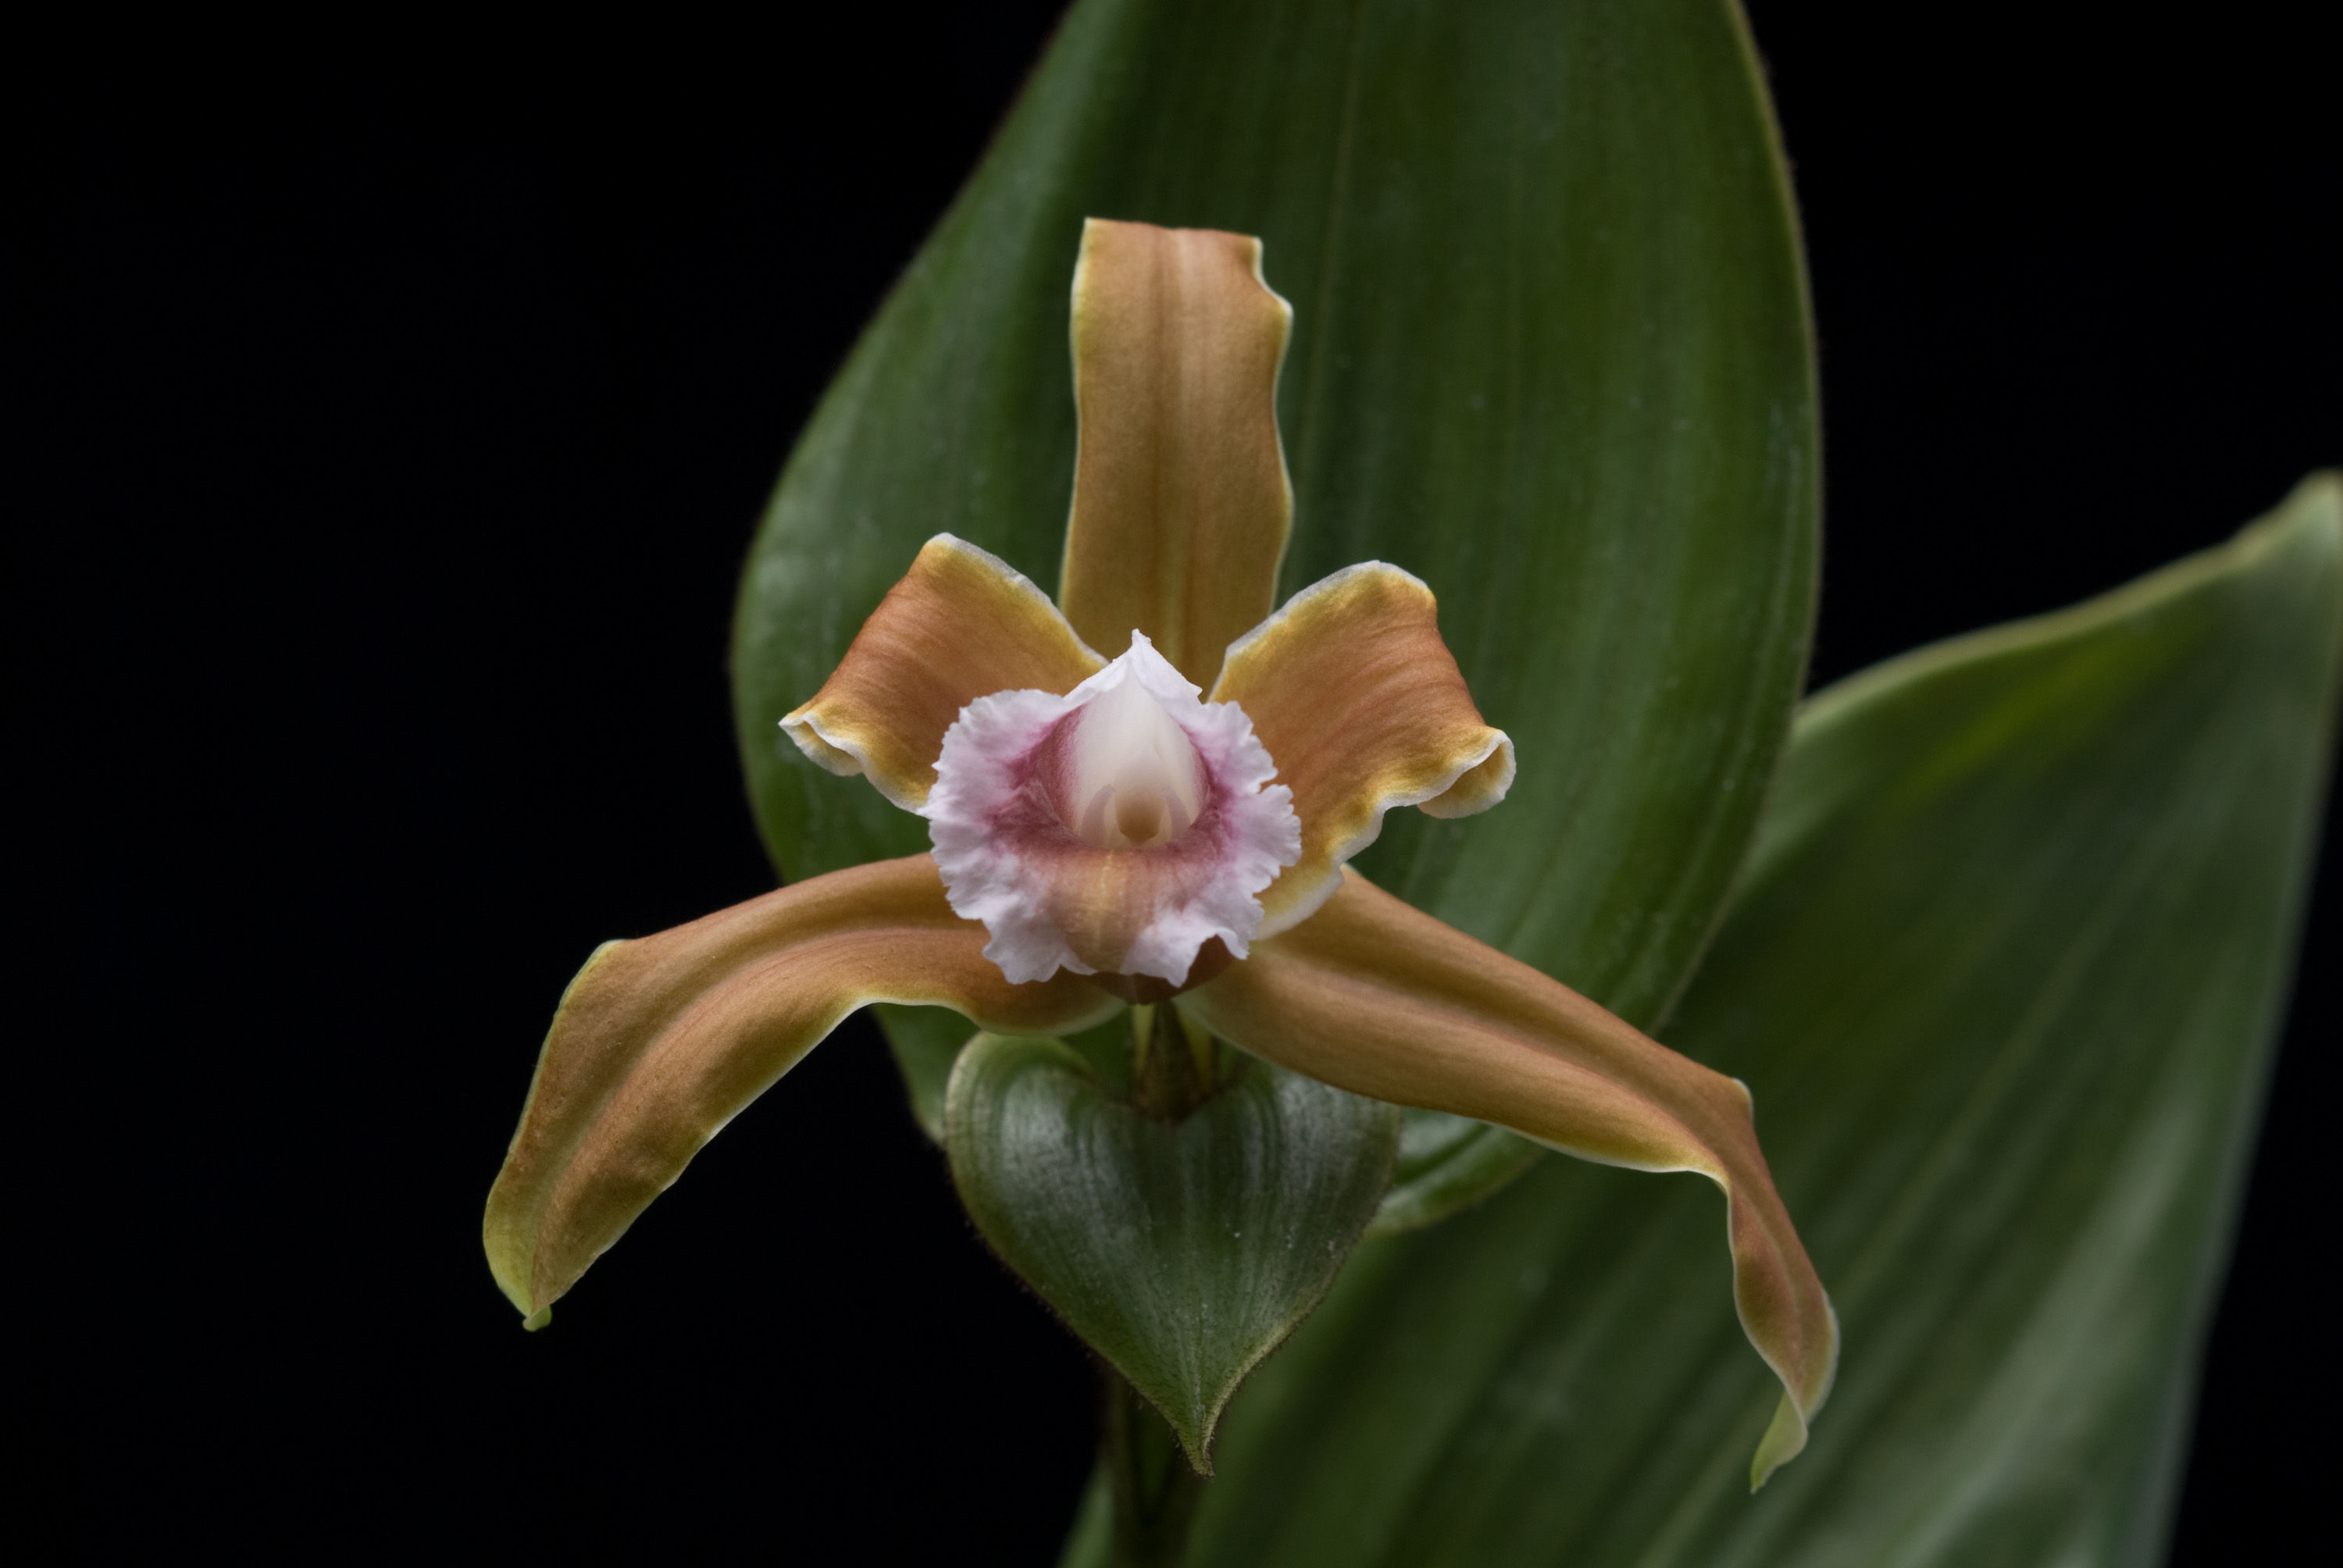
{"x": 1375, "y": 997}
{"x": 962, "y": 624}
{"x": 1181, "y": 502}
{"x": 1053, "y": 900}
{"x": 1362, "y": 707}
{"x": 658, "y": 1043}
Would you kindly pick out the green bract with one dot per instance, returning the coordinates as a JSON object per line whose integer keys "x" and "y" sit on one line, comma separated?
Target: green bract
{"x": 1183, "y": 1251}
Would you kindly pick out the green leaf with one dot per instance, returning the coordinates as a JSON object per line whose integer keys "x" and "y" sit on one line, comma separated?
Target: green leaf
{"x": 2002, "y": 979}
{"x": 1550, "y": 353}
{"x": 1182, "y": 1252}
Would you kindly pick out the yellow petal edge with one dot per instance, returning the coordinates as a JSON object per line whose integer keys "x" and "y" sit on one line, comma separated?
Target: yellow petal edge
{"x": 658, "y": 1043}
{"x": 1363, "y": 709}
{"x": 1181, "y": 502}
{"x": 1378, "y": 997}
{"x": 962, "y": 624}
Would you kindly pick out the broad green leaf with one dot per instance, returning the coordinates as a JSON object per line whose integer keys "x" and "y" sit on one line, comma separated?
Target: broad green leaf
{"x": 1550, "y": 353}
{"x": 1182, "y": 1252}
{"x": 2002, "y": 978}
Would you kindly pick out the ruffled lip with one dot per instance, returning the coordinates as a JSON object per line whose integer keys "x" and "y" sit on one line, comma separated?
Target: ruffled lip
{"x": 1049, "y": 897}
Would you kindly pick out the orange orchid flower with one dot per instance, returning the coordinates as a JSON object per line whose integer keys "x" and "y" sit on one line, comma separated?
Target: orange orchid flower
{"x": 1106, "y": 833}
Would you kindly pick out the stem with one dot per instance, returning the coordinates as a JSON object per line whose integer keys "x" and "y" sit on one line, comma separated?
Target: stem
{"x": 1155, "y": 1492}
{"x": 1174, "y": 1065}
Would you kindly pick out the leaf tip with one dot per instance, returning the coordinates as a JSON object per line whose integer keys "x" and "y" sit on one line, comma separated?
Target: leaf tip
{"x": 538, "y": 1319}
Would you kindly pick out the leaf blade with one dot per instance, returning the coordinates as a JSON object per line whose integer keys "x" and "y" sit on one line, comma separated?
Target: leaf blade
{"x": 2003, "y": 986}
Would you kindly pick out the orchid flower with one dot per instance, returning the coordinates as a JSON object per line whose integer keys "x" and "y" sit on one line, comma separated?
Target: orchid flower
{"x": 1168, "y": 826}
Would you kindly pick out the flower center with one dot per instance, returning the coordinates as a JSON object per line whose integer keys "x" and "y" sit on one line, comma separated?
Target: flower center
{"x": 1127, "y": 775}
{"x": 1040, "y": 801}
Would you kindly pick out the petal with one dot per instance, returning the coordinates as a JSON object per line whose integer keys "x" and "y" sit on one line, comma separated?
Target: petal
{"x": 658, "y": 1043}
{"x": 1353, "y": 691}
{"x": 961, "y": 623}
{"x": 1005, "y": 819}
{"x": 1380, "y": 999}
{"x": 1181, "y": 502}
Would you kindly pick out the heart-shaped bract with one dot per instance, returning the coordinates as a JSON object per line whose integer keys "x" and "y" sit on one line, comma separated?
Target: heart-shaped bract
{"x": 1183, "y": 1251}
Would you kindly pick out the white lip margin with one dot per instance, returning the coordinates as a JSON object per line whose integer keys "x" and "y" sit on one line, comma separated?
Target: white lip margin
{"x": 986, "y": 879}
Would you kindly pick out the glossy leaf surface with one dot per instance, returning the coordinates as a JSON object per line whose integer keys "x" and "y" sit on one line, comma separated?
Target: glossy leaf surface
{"x": 2003, "y": 979}
{"x": 1183, "y": 1251}
{"x": 1550, "y": 354}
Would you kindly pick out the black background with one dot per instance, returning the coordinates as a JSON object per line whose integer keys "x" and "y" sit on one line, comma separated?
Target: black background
{"x": 387, "y": 415}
